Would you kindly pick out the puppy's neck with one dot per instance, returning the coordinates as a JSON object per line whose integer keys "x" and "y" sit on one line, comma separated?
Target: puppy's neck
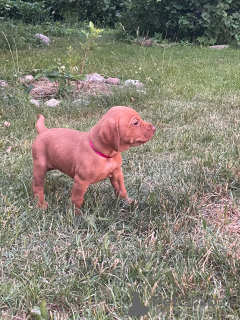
{"x": 100, "y": 147}
{"x": 97, "y": 152}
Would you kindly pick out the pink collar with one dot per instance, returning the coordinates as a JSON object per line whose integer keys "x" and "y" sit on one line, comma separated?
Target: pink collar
{"x": 97, "y": 152}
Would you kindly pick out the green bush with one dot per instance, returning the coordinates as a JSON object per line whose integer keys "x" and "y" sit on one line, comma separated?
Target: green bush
{"x": 101, "y": 12}
{"x": 191, "y": 20}
{"x": 26, "y": 11}
{"x": 5, "y": 8}
{"x": 201, "y": 21}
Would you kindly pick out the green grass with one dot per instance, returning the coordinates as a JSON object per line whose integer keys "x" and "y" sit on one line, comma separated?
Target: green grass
{"x": 88, "y": 267}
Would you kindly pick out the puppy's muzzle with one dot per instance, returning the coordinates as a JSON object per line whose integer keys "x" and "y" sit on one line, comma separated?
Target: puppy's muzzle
{"x": 148, "y": 134}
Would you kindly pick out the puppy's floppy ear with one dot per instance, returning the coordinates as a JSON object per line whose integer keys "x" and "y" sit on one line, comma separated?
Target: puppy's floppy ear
{"x": 109, "y": 133}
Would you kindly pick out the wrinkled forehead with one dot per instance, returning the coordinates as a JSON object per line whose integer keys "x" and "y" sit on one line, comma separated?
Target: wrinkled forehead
{"x": 123, "y": 113}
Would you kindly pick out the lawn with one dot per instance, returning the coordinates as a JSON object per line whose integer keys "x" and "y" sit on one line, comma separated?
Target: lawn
{"x": 178, "y": 245}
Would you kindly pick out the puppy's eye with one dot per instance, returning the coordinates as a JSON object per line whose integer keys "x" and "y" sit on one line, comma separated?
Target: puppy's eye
{"x": 135, "y": 122}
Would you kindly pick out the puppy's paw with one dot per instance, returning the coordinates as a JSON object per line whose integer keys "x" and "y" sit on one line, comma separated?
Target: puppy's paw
{"x": 130, "y": 201}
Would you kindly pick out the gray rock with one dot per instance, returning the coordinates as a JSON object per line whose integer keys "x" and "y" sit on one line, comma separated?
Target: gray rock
{"x": 44, "y": 39}
{"x": 114, "y": 81}
{"x": 135, "y": 83}
{"x": 52, "y": 103}
{"x": 81, "y": 102}
{"x": 35, "y": 102}
{"x": 94, "y": 77}
{"x": 219, "y": 47}
{"x": 28, "y": 78}
{"x": 3, "y": 84}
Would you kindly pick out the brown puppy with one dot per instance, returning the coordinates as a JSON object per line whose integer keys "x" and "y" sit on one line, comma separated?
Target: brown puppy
{"x": 88, "y": 157}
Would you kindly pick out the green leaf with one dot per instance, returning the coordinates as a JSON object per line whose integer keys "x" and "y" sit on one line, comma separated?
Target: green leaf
{"x": 236, "y": 15}
{"x": 51, "y": 78}
{"x": 204, "y": 223}
{"x": 205, "y": 16}
{"x": 51, "y": 67}
{"x": 80, "y": 77}
{"x": 69, "y": 76}
{"x": 39, "y": 75}
{"x": 43, "y": 310}
{"x": 54, "y": 73}
{"x": 27, "y": 88}
{"x": 91, "y": 25}
{"x": 62, "y": 81}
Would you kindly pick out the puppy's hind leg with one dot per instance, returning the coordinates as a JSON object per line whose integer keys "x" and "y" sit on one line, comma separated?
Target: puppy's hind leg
{"x": 39, "y": 173}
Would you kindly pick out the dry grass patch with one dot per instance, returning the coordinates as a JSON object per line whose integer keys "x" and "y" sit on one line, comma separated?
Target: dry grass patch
{"x": 221, "y": 210}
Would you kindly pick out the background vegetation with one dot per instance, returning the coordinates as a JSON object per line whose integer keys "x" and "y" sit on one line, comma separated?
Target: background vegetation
{"x": 202, "y": 21}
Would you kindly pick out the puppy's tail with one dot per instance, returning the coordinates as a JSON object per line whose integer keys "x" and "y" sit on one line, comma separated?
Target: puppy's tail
{"x": 40, "y": 124}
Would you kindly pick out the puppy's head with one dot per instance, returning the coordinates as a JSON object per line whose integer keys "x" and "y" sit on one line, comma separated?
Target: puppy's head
{"x": 122, "y": 128}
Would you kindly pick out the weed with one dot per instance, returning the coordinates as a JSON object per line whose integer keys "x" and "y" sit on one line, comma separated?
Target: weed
{"x": 91, "y": 38}
{"x": 39, "y": 313}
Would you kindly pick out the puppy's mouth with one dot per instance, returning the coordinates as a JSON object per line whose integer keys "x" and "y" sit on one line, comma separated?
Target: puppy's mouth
{"x": 143, "y": 140}
{"x": 138, "y": 143}
{"x": 145, "y": 137}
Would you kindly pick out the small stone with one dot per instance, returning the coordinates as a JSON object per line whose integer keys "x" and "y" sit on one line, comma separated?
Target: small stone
{"x": 28, "y": 78}
{"x": 219, "y": 47}
{"x": 142, "y": 91}
{"x": 9, "y": 149}
{"x": 52, "y": 103}
{"x": 94, "y": 77}
{"x": 80, "y": 102}
{"x": 3, "y": 84}
{"x": 131, "y": 82}
{"x": 114, "y": 81}
{"x": 44, "y": 39}
{"x": 35, "y": 102}
{"x": 148, "y": 43}
{"x": 6, "y": 124}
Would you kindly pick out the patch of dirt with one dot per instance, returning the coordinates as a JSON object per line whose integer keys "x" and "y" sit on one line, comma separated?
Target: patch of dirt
{"x": 47, "y": 89}
{"x": 220, "y": 210}
{"x": 92, "y": 88}
{"x": 44, "y": 89}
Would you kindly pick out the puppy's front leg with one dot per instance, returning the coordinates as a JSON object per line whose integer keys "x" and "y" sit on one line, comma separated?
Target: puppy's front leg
{"x": 78, "y": 191}
{"x": 39, "y": 173}
{"x": 118, "y": 185}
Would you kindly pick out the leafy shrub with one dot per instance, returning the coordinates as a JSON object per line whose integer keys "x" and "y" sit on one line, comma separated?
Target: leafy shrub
{"x": 202, "y": 21}
{"x": 191, "y": 20}
{"x": 26, "y": 11}
{"x": 101, "y": 12}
